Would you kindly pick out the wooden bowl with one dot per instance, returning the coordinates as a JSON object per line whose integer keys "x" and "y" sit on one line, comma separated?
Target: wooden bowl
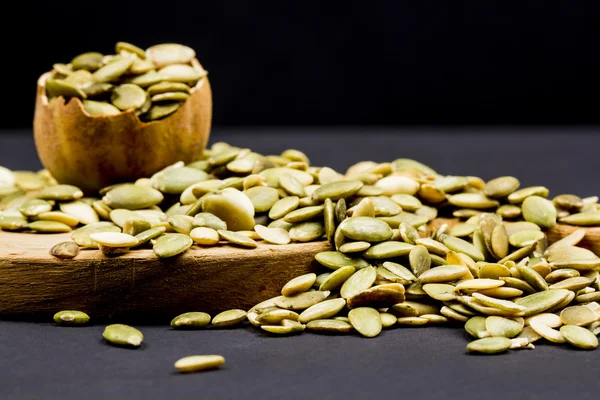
{"x": 92, "y": 152}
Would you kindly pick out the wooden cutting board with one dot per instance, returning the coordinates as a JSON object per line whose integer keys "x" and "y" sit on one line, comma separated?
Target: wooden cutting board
{"x": 35, "y": 285}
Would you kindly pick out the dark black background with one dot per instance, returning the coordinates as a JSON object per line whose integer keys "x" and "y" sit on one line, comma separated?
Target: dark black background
{"x": 333, "y": 62}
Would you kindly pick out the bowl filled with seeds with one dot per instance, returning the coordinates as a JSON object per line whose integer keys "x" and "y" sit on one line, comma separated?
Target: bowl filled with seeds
{"x": 102, "y": 118}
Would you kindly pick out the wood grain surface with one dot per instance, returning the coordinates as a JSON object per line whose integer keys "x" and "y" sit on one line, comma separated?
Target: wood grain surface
{"x": 139, "y": 285}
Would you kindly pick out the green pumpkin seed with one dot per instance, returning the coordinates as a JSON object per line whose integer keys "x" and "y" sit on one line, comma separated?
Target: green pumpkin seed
{"x": 128, "y": 96}
{"x": 170, "y": 53}
{"x": 440, "y": 291}
{"x": 539, "y": 211}
{"x": 181, "y": 73}
{"x": 59, "y": 217}
{"x": 392, "y": 185}
{"x": 134, "y": 226}
{"x": 274, "y": 315}
{"x": 181, "y": 223}
{"x": 113, "y": 239}
{"x": 389, "y": 249}
{"x": 366, "y": 321}
{"x": 123, "y": 335}
{"x": 100, "y": 108}
{"x": 589, "y": 218}
{"x": 13, "y": 223}
{"x": 113, "y": 70}
{"x": 81, "y": 211}
{"x": 337, "y": 190}
{"x": 58, "y": 87}
{"x": 190, "y": 320}
{"x": 517, "y": 197}
{"x": 307, "y": 231}
{"x": 322, "y": 310}
{"x": 335, "y": 279}
{"x": 365, "y": 208}
{"x": 407, "y": 202}
{"x": 532, "y": 277}
{"x": 579, "y": 337}
{"x": 472, "y": 200}
{"x": 541, "y": 301}
{"x": 132, "y": 197}
{"x": 329, "y": 326}
{"x": 65, "y": 250}
{"x": 462, "y": 246}
{"x": 170, "y": 96}
{"x": 470, "y": 285}
{"x": 33, "y": 207}
{"x": 412, "y": 321}
{"x": 501, "y": 187}
{"x": 199, "y": 363}
{"x": 71, "y": 317}
{"x": 172, "y": 244}
{"x": 283, "y": 207}
{"x": 445, "y": 273}
{"x": 546, "y": 332}
{"x": 63, "y": 69}
{"x": 387, "y": 319}
{"x": 304, "y": 214}
{"x": 503, "y": 327}
{"x": 335, "y": 260}
{"x": 166, "y": 87}
{"x": 48, "y": 227}
{"x": 408, "y": 233}
{"x": 400, "y": 271}
{"x": 489, "y": 345}
{"x": 453, "y": 315}
{"x": 366, "y": 229}
{"x": 81, "y": 236}
{"x": 476, "y": 327}
{"x": 379, "y": 296}
{"x": 263, "y": 197}
{"x": 229, "y": 318}
{"x": 301, "y": 301}
{"x": 462, "y": 230}
{"x": 299, "y": 284}
{"x": 578, "y": 315}
{"x": 235, "y": 215}
{"x": 354, "y": 247}
{"x": 90, "y": 61}
{"x": 60, "y": 193}
{"x": 575, "y": 283}
{"x": 359, "y": 281}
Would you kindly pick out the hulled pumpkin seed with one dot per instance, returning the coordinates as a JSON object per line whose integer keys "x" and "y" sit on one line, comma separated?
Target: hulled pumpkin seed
{"x": 123, "y": 335}
{"x": 579, "y": 337}
{"x": 171, "y": 244}
{"x": 329, "y": 326}
{"x": 299, "y": 284}
{"x": 366, "y": 321}
{"x": 65, "y": 250}
{"x": 489, "y": 345}
{"x": 190, "y": 320}
{"x": 539, "y": 211}
{"x": 199, "y": 363}
{"x": 71, "y": 317}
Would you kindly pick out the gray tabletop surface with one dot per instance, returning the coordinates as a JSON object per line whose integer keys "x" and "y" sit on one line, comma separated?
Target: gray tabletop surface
{"x": 44, "y": 361}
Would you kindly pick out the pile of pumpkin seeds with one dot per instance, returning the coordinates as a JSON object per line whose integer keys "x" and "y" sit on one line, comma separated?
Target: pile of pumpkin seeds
{"x": 154, "y": 82}
{"x": 493, "y": 272}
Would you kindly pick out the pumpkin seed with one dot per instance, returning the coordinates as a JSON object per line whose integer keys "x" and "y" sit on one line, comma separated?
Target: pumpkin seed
{"x": 489, "y": 345}
{"x": 539, "y": 211}
{"x": 472, "y": 200}
{"x": 34, "y": 207}
{"x": 322, "y": 310}
{"x": 229, "y": 318}
{"x": 335, "y": 260}
{"x": 445, "y": 273}
{"x": 172, "y": 244}
{"x": 532, "y": 277}
{"x": 588, "y": 218}
{"x": 518, "y": 196}
{"x": 299, "y": 284}
{"x": 199, "y": 363}
{"x": 578, "y": 315}
{"x": 301, "y": 301}
{"x": 233, "y": 213}
{"x": 366, "y": 229}
{"x": 48, "y": 227}
{"x": 359, "y": 281}
{"x": 71, "y": 317}
{"x": 440, "y": 291}
{"x": 539, "y": 302}
{"x": 208, "y": 220}
{"x": 579, "y": 337}
{"x": 366, "y": 321}
{"x": 132, "y": 197}
{"x": 503, "y": 327}
{"x": 123, "y": 335}
{"x": 79, "y": 210}
{"x": 501, "y": 187}
{"x": 329, "y": 326}
{"x": 65, "y": 250}
{"x": 476, "y": 327}
{"x": 190, "y": 320}
{"x": 575, "y": 283}
{"x": 335, "y": 279}
{"x": 147, "y": 235}
{"x": 546, "y": 332}
{"x": 389, "y": 249}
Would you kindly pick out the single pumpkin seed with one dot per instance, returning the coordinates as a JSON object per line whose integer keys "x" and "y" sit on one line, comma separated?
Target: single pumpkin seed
{"x": 335, "y": 260}
{"x": 589, "y": 218}
{"x": 440, "y": 291}
{"x": 301, "y": 301}
{"x": 575, "y": 283}
{"x": 190, "y": 320}
{"x": 389, "y": 249}
{"x": 322, "y": 310}
{"x": 366, "y": 229}
{"x": 489, "y": 345}
{"x": 113, "y": 239}
{"x": 79, "y": 210}
{"x": 307, "y": 231}
{"x": 501, "y": 187}
{"x": 337, "y": 190}
{"x": 366, "y": 321}
{"x": 33, "y": 207}
{"x": 539, "y": 302}
{"x": 148, "y": 235}
{"x": 123, "y": 335}
{"x": 299, "y": 284}
{"x": 335, "y": 279}
{"x": 578, "y": 315}
{"x": 48, "y": 227}
{"x": 472, "y": 200}
{"x": 65, "y": 250}
{"x": 532, "y": 277}
{"x": 304, "y": 214}
{"x": 359, "y": 281}
{"x": 546, "y": 332}
{"x": 132, "y": 197}
{"x": 503, "y": 327}
{"x": 354, "y": 247}
{"x": 445, "y": 273}
{"x": 71, "y": 317}
{"x": 476, "y": 327}
{"x": 199, "y": 363}
{"x": 519, "y": 196}
{"x": 539, "y": 211}
{"x": 205, "y": 236}
{"x": 172, "y": 244}
{"x": 229, "y": 318}
{"x": 579, "y": 337}
{"x": 329, "y": 326}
